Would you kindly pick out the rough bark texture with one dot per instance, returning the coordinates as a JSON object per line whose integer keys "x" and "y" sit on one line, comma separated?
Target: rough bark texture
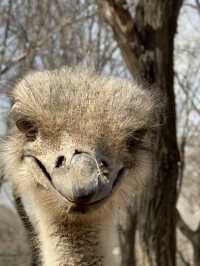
{"x": 147, "y": 44}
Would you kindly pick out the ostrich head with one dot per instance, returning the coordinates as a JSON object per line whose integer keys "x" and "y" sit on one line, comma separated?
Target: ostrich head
{"x": 78, "y": 143}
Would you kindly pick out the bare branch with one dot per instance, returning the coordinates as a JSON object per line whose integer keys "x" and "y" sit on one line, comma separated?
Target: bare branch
{"x": 37, "y": 46}
{"x": 185, "y": 91}
{"x": 119, "y": 18}
{"x": 183, "y": 227}
{"x": 183, "y": 259}
{"x": 195, "y": 6}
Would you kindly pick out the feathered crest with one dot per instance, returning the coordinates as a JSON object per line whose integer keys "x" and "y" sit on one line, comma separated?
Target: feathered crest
{"x": 83, "y": 103}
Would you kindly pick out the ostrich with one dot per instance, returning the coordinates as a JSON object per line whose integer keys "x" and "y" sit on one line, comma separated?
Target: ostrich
{"x": 78, "y": 146}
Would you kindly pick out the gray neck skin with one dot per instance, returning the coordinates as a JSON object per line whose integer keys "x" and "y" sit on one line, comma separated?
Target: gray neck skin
{"x": 71, "y": 244}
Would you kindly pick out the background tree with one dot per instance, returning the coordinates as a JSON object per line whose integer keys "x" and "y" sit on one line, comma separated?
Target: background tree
{"x": 145, "y": 33}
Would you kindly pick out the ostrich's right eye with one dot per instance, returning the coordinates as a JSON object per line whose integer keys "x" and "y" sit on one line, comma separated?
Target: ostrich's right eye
{"x": 28, "y": 127}
{"x": 135, "y": 140}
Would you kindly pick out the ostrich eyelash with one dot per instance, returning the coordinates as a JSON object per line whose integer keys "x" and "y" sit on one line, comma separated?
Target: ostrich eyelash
{"x": 136, "y": 140}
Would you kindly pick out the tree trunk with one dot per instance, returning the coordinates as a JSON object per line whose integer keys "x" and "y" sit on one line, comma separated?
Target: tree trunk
{"x": 196, "y": 256}
{"x": 147, "y": 44}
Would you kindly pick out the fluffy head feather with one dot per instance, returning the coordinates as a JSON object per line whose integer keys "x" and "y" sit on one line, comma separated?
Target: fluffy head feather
{"x": 72, "y": 107}
{"x": 84, "y": 104}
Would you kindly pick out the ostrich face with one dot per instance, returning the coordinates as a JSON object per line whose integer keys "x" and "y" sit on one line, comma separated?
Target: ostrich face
{"x": 77, "y": 141}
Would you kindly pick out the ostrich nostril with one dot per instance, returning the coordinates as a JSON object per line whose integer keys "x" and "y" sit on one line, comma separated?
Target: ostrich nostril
{"x": 104, "y": 166}
{"x": 104, "y": 163}
{"x": 60, "y": 161}
{"x": 77, "y": 152}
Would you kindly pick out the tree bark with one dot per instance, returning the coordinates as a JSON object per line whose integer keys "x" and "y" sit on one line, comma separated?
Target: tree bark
{"x": 196, "y": 255}
{"x": 147, "y": 45}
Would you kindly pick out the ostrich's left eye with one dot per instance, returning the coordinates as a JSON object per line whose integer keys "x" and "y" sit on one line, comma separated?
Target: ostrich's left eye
{"x": 136, "y": 140}
{"x": 28, "y": 127}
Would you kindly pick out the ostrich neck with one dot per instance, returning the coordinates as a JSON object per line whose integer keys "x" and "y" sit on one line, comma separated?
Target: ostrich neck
{"x": 71, "y": 244}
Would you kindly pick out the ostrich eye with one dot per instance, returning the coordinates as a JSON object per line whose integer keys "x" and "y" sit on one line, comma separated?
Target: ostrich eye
{"x": 136, "y": 140}
{"x": 28, "y": 127}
